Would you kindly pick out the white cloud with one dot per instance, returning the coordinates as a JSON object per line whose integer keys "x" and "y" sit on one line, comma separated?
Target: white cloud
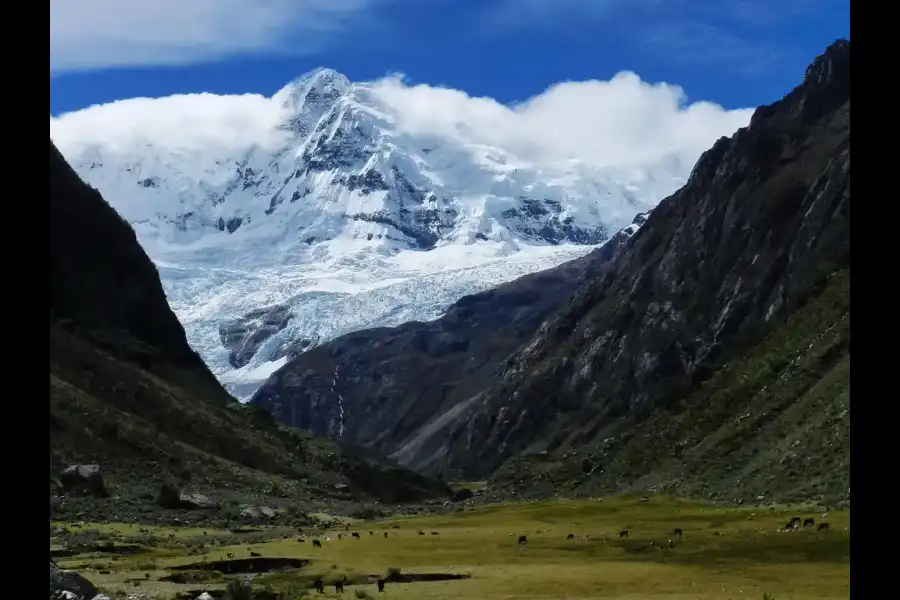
{"x": 181, "y": 124}
{"x": 97, "y": 34}
{"x": 624, "y": 122}
{"x": 621, "y": 122}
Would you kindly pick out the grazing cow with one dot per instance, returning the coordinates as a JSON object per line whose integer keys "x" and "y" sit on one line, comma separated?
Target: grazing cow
{"x": 434, "y": 533}
{"x": 255, "y": 554}
{"x": 809, "y": 522}
{"x": 317, "y": 544}
{"x": 623, "y": 533}
{"x": 385, "y": 534}
{"x": 356, "y": 535}
{"x": 421, "y": 533}
{"x": 380, "y": 584}
{"x": 571, "y": 536}
{"x": 523, "y": 540}
{"x": 678, "y": 531}
{"x": 319, "y": 585}
{"x": 301, "y": 539}
{"x": 822, "y": 527}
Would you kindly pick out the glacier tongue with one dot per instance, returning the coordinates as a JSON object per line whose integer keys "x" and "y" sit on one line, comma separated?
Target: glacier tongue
{"x": 339, "y": 221}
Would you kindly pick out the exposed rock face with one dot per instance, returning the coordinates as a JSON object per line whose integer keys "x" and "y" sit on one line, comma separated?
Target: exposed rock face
{"x": 389, "y": 388}
{"x": 755, "y": 235}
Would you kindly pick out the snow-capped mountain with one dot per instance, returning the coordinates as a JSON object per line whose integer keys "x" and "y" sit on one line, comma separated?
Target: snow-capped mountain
{"x": 342, "y": 221}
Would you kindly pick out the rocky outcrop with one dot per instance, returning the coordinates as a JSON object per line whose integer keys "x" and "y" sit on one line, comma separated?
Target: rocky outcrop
{"x": 83, "y": 479}
{"x": 758, "y": 235}
{"x": 399, "y": 389}
{"x": 244, "y": 336}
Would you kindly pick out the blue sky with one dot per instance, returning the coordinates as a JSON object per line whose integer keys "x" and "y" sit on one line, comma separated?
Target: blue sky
{"x": 736, "y": 53}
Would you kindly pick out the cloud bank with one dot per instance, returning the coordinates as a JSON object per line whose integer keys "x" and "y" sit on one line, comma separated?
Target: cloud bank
{"x": 624, "y": 122}
{"x": 99, "y": 34}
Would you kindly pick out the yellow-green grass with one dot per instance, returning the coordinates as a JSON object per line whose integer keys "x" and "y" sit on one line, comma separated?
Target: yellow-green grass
{"x": 724, "y": 553}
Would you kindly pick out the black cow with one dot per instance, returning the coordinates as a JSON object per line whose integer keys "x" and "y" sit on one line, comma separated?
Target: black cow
{"x": 678, "y": 531}
{"x": 317, "y": 544}
{"x": 822, "y": 527}
{"x": 319, "y": 585}
{"x": 356, "y": 535}
{"x": 809, "y": 522}
{"x": 380, "y": 584}
{"x": 371, "y": 533}
{"x": 434, "y": 533}
{"x": 421, "y": 533}
{"x": 255, "y": 554}
{"x": 523, "y": 540}
{"x": 571, "y": 536}
{"x": 338, "y": 587}
{"x": 230, "y": 555}
{"x": 385, "y": 534}
{"x": 623, "y": 533}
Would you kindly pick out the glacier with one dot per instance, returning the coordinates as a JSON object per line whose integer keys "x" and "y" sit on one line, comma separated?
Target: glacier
{"x": 343, "y": 220}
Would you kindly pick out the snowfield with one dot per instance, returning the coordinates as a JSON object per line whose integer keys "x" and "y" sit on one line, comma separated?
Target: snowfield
{"x": 343, "y": 203}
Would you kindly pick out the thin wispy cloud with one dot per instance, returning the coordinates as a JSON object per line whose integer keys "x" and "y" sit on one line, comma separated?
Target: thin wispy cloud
{"x": 101, "y": 34}
{"x": 731, "y": 34}
{"x": 696, "y": 43}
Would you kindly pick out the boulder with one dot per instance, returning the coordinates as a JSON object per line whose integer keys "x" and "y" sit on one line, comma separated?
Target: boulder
{"x": 83, "y": 479}
{"x": 69, "y": 585}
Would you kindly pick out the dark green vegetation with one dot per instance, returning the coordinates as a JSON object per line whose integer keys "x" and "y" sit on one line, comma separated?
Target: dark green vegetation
{"x": 721, "y": 553}
{"x": 707, "y": 353}
{"x": 128, "y": 394}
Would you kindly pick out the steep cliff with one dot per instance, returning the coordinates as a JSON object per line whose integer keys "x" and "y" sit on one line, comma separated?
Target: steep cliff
{"x": 716, "y": 337}
{"x": 128, "y": 393}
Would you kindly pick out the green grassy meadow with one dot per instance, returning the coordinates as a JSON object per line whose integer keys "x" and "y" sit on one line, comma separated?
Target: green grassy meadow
{"x": 724, "y": 553}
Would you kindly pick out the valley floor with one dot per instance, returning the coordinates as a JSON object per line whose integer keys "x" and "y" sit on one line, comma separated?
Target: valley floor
{"x": 724, "y": 553}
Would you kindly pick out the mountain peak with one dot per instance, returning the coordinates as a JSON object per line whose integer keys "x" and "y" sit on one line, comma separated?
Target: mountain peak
{"x": 831, "y": 68}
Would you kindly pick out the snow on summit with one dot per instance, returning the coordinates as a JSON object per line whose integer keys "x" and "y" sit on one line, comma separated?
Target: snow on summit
{"x": 279, "y": 223}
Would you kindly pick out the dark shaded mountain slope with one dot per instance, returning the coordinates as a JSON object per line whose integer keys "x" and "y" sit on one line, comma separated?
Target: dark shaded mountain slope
{"x": 394, "y": 381}
{"x": 709, "y": 353}
{"x": 128, "y": 393}
{"x": 748, "y": 262}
